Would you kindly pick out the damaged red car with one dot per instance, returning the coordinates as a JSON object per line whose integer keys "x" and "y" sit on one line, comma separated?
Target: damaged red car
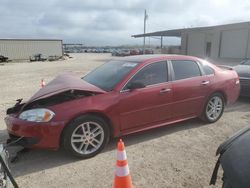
{"x": 121, "y": 97}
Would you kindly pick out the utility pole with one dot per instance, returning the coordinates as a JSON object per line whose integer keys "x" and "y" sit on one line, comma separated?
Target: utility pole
{"x": 145, "y": 19}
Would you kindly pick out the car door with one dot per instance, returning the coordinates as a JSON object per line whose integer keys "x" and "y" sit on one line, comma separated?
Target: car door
{"x": 190, "y": 87}
{"x": 148, "y": 105}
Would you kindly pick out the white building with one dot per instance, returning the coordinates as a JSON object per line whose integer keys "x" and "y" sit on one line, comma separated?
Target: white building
{"x": 229, "y": 41}
{"x": 18, "y": 49}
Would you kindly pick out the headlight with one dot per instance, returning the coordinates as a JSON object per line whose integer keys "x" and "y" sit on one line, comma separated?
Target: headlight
{"x": 37, "y": 115}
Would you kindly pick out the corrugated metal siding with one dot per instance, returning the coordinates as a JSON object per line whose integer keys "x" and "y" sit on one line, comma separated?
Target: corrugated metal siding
{"x": 23, "y": 49}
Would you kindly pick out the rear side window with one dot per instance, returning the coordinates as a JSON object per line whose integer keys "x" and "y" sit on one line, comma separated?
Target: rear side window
{"x": 208, "y": 70}
{"x": 184, "y": 69}
{"x": 151, "y": 74}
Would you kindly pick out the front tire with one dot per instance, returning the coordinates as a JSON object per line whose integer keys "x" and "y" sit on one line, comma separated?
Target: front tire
{"x": 86, "y": 136}
{"x": 214, "y": 108}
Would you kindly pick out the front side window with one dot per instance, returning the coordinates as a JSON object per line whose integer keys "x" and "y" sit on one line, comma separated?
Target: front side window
{"x": 108, "y": 75}
{"x": 151, "y": 74}
{"x": 184, "y": 69}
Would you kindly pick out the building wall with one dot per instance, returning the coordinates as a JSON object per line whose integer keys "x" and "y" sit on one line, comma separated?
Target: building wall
{"x": 184, "y": 39}
{"x": 234, "y": 43}
{"x": 196, "y": 44}
{"x": 23, "y": 49}
{"x": 215, "y": 44}
{"x": 229, "y": 42}
{"x": 248, "y": 45}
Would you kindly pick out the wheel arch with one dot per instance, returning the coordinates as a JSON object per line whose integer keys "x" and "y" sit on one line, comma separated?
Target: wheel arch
{"x": 222, "y": 93}
{"x": 98, "y": 114}
{"x": 212, "y": 93}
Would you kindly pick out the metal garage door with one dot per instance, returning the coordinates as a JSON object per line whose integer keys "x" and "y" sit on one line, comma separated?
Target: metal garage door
{"x": 234, "y": 43}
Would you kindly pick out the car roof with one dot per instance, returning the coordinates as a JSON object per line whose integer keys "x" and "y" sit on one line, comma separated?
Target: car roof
{"x": 155, "y": 57}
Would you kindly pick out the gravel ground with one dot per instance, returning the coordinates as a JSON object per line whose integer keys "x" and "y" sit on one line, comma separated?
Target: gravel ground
{"x": 180, "y": 155}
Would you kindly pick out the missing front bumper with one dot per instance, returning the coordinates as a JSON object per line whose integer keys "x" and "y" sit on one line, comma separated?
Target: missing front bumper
{"x": 25, "y": 142}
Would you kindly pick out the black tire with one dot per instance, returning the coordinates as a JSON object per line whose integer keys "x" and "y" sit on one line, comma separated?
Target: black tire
{"x": 75, "y": 126}
{"x": 205, "y": 115}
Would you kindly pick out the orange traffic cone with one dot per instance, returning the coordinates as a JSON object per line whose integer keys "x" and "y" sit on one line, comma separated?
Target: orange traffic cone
{"x": 122, "y": 177}
{"x": 42, "y": 83}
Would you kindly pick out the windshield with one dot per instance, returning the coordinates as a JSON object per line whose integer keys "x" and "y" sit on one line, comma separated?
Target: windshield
{"x": 246, "y": 62}
{"x": 108, "y": 75}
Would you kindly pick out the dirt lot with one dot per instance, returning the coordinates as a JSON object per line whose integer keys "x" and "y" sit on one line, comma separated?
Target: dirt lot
{"x": 181, "y": 155}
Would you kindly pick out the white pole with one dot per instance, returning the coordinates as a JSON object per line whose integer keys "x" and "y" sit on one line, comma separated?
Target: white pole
{"x": 145, "y": 18}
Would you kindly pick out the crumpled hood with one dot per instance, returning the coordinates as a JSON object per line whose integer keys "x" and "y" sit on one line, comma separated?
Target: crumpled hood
{"x": 243, "y": 70}
{"x": 63, "y": 83}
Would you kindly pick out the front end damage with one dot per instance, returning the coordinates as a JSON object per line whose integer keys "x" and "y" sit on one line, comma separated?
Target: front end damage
{"x": 30, "y": 134}
{"x": 48, "y": 101}
{"x": 38, "y": 123}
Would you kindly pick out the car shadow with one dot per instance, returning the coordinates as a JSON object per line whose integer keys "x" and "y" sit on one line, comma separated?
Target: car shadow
{"x": 38, "y": 160}
{"x": 156, "y": 133}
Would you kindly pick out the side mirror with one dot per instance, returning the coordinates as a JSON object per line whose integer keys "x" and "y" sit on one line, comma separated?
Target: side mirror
{"x": 135, "y": 85}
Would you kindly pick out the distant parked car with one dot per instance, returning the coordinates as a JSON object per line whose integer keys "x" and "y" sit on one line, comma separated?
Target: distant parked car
{"x": 99, "y": 50}
{"x": 134, "y": 52}
{"x": 106, "y": 50}
{"x": 116, "y": 53}
{"x": 125, "y": 52}
{"x": 38, "y": 57}
{"x": 121, "y": 97}
{"x": 243, "y": 70}
{"x": 3, "y": 58}
{"x": 54, "y": 58}
{"x": 140, "y": 51}
{"x": 149, "y": 51}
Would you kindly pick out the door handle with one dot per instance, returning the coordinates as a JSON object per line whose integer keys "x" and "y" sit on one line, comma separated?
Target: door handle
{"x": 165, "y": 90}
{"x": 205, "y": 83}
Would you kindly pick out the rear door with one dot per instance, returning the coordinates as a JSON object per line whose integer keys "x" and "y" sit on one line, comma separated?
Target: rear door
{"x": 190, "y": 87}
{"x": 149, "y": 105}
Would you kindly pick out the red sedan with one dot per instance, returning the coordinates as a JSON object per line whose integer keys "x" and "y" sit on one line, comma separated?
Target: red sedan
{"x": 121, "y": 97}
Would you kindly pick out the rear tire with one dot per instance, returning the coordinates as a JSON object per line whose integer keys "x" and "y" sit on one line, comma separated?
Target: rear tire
{"x": 86, "y": 136}
{"x": 214, "y": 108}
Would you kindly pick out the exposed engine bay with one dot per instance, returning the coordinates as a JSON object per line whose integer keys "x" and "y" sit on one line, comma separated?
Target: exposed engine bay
{"x": 49, "y": 101}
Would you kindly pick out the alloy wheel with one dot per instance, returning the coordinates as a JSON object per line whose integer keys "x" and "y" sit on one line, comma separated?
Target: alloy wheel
{"x": 214, "y": 108}
{"x": 87, "y": 138}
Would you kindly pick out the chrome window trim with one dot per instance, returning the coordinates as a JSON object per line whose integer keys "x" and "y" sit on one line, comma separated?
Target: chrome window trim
{"x": 148, "y": 86}
{"x": 188, "y": 78}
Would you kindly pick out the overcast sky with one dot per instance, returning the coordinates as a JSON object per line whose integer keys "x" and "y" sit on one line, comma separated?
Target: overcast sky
{"x": 112, "y": 22}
